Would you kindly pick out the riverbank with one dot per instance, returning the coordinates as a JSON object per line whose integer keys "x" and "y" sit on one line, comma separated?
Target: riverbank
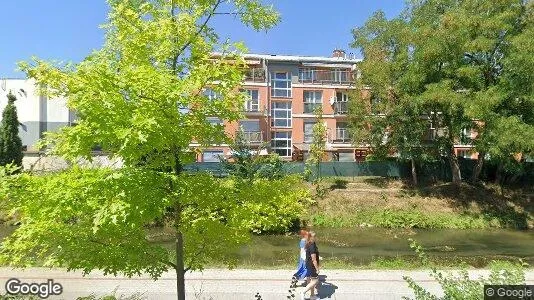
{"x": 380, "y": 202}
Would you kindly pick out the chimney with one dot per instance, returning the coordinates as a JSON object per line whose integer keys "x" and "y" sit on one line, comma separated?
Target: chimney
{"x": 338, "y": 53}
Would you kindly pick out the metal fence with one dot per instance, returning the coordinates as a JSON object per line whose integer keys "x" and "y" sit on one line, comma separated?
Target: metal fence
{"x": 325, "y": 169}
{"x": 394, "y": 169}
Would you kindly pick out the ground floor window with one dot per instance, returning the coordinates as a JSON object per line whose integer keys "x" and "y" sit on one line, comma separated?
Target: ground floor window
{"x": 346, "y": 156}
{"x": 464, "y": 153}
{"x": 281, "y": 143}
{"x": 212, "y": 155}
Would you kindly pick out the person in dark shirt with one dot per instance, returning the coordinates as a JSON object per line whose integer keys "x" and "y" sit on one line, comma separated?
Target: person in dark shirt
{"x": 312, "y": 266}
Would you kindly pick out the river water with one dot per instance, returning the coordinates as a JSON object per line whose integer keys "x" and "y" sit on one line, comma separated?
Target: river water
{"x": 362, "y": 246}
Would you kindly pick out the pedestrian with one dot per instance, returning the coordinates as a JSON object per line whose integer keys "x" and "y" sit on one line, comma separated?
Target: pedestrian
{"x": 312, "y": 266}
{"x": 301, "y": 272}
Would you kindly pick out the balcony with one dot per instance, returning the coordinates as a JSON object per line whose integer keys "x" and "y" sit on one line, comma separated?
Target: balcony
{"x": 344, "y": 77}
{"x": 342, "y": 136}
{"x": 309, "y": 108}
{"x": 252, "y": 106}
{"x": 255, "y": 75}
{"x": 253, "y": 137}
{"x": 341, "y": 108}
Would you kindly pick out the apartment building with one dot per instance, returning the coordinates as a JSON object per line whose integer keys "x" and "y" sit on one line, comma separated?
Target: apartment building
{"x": 283, "y": 93}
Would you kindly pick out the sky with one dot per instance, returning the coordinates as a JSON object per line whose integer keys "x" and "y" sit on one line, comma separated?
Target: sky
{"x": 68, "y": 30}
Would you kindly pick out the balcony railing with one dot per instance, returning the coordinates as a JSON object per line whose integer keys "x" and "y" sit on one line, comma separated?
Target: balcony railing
{"x": 326, "y": 76}
{"x": 342, "y": 136}
{"x": 255, "y": 75}
{"x": 309, "y": 108}
{"x": 252, "y": 106}
{"x": 253, "y": 136}
{"x": 341, "y": 108}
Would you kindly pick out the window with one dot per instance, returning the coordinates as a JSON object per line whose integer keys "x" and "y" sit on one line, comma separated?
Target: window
{"x": 464, "y": 153}
{"x": 312, "y": 100}
{"x": 376, "y": 104}
{"x": 308, "y": 131}
{"x": 252, "y": 102}
{"x": 345, "y": 156}
{"x": 214, "y": 121}
{"x": 342, "y": 132}
{"x": 281, "y": 114}
{"x": 211, "y": 94}
{"x": 281, "y": 85}
{"x": 341, "y": 75}
{"x": 465, "y": 136}
{"x": 212, "y": 155}
{"x": 341, "y": 104}
{"x": 281, "y": 143}
{"x": 306, "y": 74}
{"x": 251, "y": 130}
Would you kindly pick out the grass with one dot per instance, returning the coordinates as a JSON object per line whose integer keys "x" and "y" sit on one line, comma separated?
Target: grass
{"x": 382, "y": 263}
{"x": 388, "y": 203}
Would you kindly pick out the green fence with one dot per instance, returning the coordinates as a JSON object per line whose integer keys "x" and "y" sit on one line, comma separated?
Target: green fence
{"x": 435, "y": 171}
{"x": 326, "y": 169}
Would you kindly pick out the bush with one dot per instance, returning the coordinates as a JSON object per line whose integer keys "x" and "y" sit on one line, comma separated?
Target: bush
{"x": 460, "y": 286}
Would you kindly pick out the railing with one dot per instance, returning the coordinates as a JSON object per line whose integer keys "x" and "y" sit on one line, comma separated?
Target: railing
{"x": 342, "y": 136}
{"x": 341, "y": 108}
{"x": 326, "y": 76}
{"x": 253, "y": 136}
{"x": 252, "y": 106}
{"x": 255, "y": 75}
{"x": 309, "y": 108}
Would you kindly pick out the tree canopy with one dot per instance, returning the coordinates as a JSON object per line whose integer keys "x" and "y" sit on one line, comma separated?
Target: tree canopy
{"x": 142, "y": 98}
{"x": 452, "y": 65}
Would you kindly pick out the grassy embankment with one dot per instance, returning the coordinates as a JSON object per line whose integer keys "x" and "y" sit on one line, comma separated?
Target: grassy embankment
{"x": 380, "y": 202}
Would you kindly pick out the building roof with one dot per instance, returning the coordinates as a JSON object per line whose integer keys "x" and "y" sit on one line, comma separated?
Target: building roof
{"x": 299, "y": 58}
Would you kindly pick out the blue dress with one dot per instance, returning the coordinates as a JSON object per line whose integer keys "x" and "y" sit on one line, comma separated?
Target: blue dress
{"x": 301, "y": 267}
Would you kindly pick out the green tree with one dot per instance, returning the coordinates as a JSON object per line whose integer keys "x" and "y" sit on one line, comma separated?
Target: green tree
{"x": 248, "y": 163}
{"x": 141, "y": 98}
{"x": 386, "y": 115}
{"x": 450, "y": 59}
{"x": 317, "y": 146}
{"x": 10, "y": 142}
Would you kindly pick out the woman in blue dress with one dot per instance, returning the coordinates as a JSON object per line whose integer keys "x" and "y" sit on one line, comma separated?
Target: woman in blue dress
{"x": 301, "y": 273}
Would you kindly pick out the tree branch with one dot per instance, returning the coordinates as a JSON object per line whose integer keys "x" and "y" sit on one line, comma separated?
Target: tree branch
{"x": 195, "y": 35}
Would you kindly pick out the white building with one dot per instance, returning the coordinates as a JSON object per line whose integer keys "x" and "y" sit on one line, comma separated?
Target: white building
{"x": 36, "y": 113}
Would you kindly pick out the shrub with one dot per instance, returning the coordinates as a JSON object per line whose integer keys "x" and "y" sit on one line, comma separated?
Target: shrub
{"x": 461, "y": 286}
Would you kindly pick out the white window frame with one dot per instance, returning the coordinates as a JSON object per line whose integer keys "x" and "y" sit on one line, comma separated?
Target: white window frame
{"x": 312, "y": 98}
{"x": 276, "y": 90}
{"x": 252, "y": 104}
{"x": 308, "y": 136}
{"x": 340, "y": 75}
{"x": 211, "y": 94}
{"x": 283, "y": 151}
{"x": 343, "y": 99}
{"x": 219, "y": 154}
{"x": 275, "y": 117}
{"x": 466, "y": 154}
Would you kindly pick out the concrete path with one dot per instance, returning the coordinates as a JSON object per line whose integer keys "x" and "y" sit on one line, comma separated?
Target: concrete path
{"x": 231, "y": 285}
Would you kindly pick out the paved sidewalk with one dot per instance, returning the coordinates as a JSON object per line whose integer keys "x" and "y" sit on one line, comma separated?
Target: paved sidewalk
{"x": 232, "y": 285}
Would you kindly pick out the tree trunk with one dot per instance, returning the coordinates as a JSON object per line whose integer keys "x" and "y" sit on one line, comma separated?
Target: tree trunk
{"x": 180, "y": 271}
{"x": 498, "y": 173}
{"x": 414, "y": 172}
{"x": 478, "y": 167}
{"x": 455, "y": 168}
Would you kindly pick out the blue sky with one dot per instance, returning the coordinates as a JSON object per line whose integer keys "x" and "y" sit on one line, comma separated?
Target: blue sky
{"x": 67, "y": 30}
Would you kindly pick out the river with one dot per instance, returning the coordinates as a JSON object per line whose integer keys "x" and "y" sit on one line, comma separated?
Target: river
{"x": 361, "y": 246}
